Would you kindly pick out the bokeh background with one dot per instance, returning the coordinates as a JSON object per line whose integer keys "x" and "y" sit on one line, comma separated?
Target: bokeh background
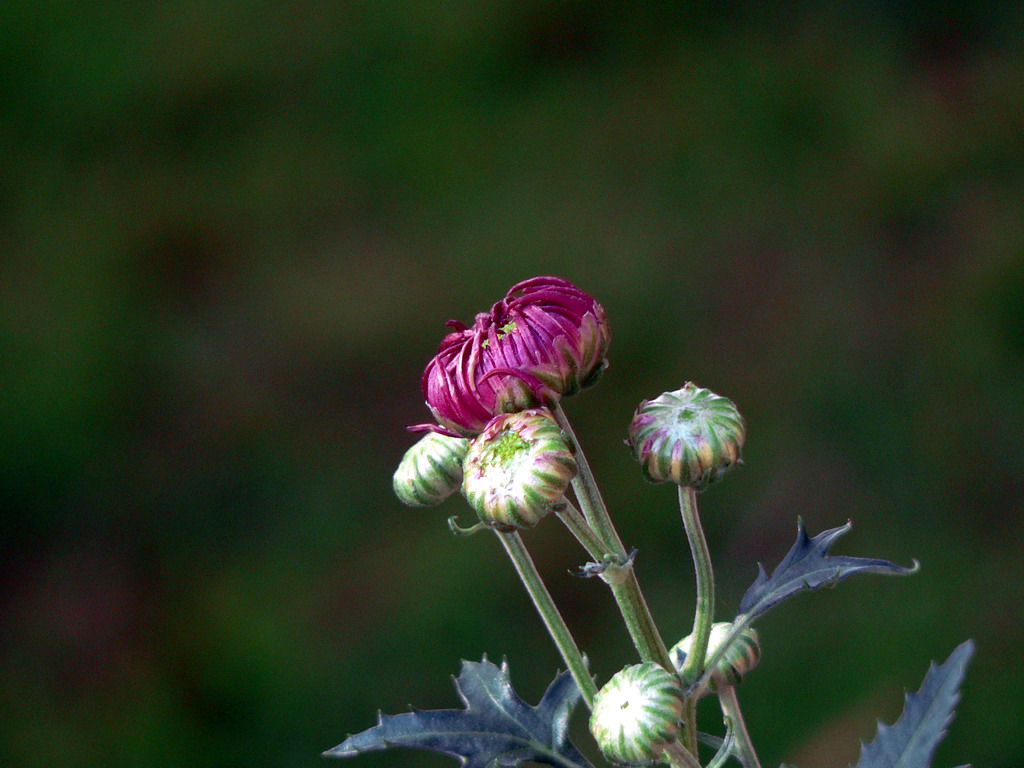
{"x": 231, "y": 233}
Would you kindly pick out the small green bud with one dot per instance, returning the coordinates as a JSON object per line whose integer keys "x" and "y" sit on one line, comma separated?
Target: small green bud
{"x": 517, "y": 470}
{"x": 431, "y": 470}
{"x": 742, "y": 655}
{"x": 690, "y": 436}
{"x": 636, "y": 714}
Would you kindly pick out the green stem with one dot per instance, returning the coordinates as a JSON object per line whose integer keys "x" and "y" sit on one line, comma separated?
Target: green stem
{"x": 584, "y": 534}
{"x": 637, "y": 616}
{"x": 680, "y": 756}
{"x": 744, "y": 747}
{"x": 704, "y": 613}
{"x": 622, "y": 580}
{"x": 585, "y": 486}
{"x": 725, "y": 749}
{"x": 553, "y": 620}
{"x": 690, "y": 721}
{"x": 628, "y": 601}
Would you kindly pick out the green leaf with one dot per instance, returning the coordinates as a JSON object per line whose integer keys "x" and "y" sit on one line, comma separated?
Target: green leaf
{"x": 496, "y": 728}
{"x": 912, "y": 740}
{"x": 808, "y": 565}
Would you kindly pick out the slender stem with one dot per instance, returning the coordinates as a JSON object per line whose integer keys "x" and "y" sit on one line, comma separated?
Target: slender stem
{"x": 725, "y": 749}
{"x": 589, "y": 496}
{"x": 622, "y": 580}
{"x": 690, "y": 721}
{"x": 584, "y": 534}
{"x": 680, "y": 756}
{"x": 704, "y": 614}
{"x": 553, "y": 620}
{"x": 637, "y": 616}
{"x": 705, "y": 607}
{"x": 744, "y": 747}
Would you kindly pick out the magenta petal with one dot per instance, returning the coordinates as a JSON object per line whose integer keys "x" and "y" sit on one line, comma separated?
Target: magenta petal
{"x": 555, "y": 346}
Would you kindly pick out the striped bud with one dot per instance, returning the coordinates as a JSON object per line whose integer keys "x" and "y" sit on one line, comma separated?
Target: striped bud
{"x": 517, "y": 470}
{"x": 691, "y": 437}
{"x": 636, "y": 714}
{"x": 740, "y": 657}
{"x": 431, "y": 470}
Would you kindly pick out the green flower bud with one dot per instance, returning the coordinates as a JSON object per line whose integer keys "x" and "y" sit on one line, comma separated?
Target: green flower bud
{"x": 431, "y": 470}
{"x": 742, "y": 655}
{"x": 690, "y": 436}
{"x": 518, "y": 468}
{"x": 636, "y": 714}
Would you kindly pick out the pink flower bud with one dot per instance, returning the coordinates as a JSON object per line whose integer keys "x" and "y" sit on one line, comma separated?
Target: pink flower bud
{"x": 545, "y": 339}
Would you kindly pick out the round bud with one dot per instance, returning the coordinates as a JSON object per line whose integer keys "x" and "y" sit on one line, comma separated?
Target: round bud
{"x": 740, "y": 657}
{"x": 517, "y": 470}
{"x": 636, "y": 714}
{"x": 690, "y": 436}
{"x": 431, "y": 470}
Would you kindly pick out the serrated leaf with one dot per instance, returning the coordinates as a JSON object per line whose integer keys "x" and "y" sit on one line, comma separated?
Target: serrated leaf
{"x": 808, "y": 565}
{"x": 911, "y": 741}
{"x": 495, "y": 728}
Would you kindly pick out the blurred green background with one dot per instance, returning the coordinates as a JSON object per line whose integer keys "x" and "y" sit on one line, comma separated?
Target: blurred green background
{"x": 231, "y": 233}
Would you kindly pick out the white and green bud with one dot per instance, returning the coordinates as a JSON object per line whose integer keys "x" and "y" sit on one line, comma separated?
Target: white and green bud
{"x": 742, "y": 655}
{"x": 636, "y": 714}
{"x": 431, "y": 470}
{"x": 518, "y": 469}
{"x": 691, "y": 437}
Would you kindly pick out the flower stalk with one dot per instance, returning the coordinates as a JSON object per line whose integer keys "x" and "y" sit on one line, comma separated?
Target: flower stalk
{"x": 725, "y": 749}
{"x": 542, "y": 600}
{"x": 680, "y": 756}
{"x": 637, "y": 616}
{"x": 573, "y": 519}
{"x": 704, "y": 614}
{"x": 587, "y": 492}
{"x": 622, "y": 580}
{"x": 705, "y": 603}
{"x": 743, "y": 747}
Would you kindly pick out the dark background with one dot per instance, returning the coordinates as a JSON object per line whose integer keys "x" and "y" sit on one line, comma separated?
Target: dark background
{"x": 230, "y": 235}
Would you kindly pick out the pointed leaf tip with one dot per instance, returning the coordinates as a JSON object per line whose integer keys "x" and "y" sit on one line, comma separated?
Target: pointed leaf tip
{"x": 807, "y": 565}
{"x": 496, "y": 727}
{"x": 342, "y": 750}
{"x": 911, "y": 741}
